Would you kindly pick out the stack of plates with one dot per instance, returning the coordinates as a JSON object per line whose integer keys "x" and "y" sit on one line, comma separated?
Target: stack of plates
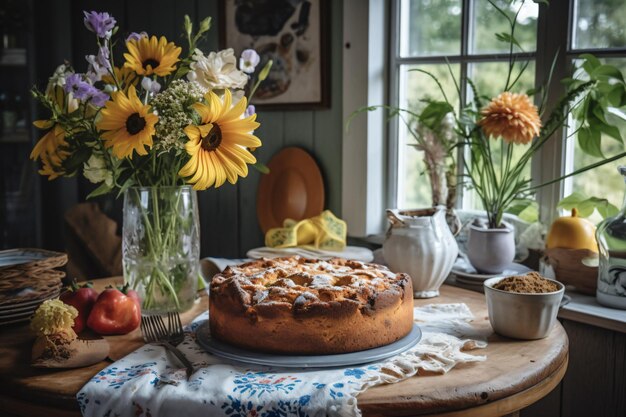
{"x": 355, "y": 253}
{"x": 466, "y": 274}
{"x": 28, "y": 278}
{"x": 22, "y": 310}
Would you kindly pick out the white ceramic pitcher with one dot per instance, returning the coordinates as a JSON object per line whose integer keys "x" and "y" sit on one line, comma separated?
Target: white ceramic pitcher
{"x": 420, "y": 243}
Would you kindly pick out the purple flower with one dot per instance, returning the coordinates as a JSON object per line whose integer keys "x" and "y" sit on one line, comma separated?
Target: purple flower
{"x": 74, "y": 84}
{"x": 248, "y": 61}
{"x": 99, "y": 98}
{"x": 249, "y": 111}
{"x": 99, "y": 65}
{"x": 103, "y": 57}
{"x": 82, "y": 90}
{"x": 134, "y": 36}
{"x": 99, "y": 23}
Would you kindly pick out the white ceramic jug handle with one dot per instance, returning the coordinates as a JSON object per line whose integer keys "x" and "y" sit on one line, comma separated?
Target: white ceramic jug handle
{"x": 393, "y": 218}
{"x": 433, "y": 224}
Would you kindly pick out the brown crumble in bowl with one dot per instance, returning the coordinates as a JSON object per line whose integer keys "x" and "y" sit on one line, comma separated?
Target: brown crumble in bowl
{"x": 531, "y": 283}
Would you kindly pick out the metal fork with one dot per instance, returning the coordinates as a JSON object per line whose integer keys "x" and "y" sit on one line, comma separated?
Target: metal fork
{"x": 155, "y": 331}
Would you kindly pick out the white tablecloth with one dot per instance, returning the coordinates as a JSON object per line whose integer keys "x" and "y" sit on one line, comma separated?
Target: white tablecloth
{"x": 146, "y": 383}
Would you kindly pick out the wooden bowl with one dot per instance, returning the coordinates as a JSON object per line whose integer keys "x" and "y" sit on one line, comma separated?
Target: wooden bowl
{"x": 570, "y": 270}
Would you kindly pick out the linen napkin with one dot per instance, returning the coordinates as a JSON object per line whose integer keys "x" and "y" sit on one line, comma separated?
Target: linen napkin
{"x": 145, "y": 383}
{"x": 325, "y": 231}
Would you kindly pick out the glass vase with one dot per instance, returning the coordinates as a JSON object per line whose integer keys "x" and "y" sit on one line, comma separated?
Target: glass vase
{"x": 611, "y": 236}
{"x": 161, "y": 246}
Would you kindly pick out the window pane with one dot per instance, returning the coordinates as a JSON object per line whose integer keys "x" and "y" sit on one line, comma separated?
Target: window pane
{"x": 604, "y": 181}
{"x": 490, "y": 77}
{"x": 430, "y": 27}
{"x": 488, "y": 21}
{"x": 599, "y": 24}
{"x": 483, "y": 75}
{"x": 413, "y": 184}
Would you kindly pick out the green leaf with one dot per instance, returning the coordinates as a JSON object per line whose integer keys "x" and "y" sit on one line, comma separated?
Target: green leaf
{"x": 507, "y": 38}
{"x": 590, "y": 62}
{"x": 434, "y": 113}
{"x": 76, "y": 160}
{"x": 608, "y": 71}
{"x": 262, "y": 168}
{"x": 616, "y": 96}
{"x": 526, "y": 209}
{"x": 586, "y": 205}
{"x": 607, "y": 209}
{"x": 532, "y": 91}
{"x": 590, "y": 140}
{"x": 127, "y": 184}
{"x": 101, "y": 190}
{"x": 611, "y": 131}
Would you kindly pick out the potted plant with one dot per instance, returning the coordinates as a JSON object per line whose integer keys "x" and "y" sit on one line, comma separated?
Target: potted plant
{"x": 155, "y": 128}
{"x": 500, "y": 136}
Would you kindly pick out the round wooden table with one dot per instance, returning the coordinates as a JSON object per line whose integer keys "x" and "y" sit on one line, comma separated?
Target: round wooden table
{"x": 515, "y": 374}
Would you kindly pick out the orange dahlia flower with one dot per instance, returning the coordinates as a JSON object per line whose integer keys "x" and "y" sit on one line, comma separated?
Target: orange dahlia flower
{"x": 513, "y": 117}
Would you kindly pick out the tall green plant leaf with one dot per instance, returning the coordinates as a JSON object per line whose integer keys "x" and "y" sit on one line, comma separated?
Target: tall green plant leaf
{"x": 586, "y": 205}
{"x": 589, "y": 141}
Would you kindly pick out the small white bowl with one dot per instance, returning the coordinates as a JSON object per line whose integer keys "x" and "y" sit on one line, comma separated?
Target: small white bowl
{"x": 522, "y": 315}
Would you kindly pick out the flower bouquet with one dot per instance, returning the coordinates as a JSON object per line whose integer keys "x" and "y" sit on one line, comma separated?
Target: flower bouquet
{"x": 154, "y": 127}
{"x": 499, "y": 137}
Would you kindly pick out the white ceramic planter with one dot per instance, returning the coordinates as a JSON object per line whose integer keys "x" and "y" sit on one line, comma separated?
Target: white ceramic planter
{"x": 420, "y": 244}
{"x": 491, "y": 250}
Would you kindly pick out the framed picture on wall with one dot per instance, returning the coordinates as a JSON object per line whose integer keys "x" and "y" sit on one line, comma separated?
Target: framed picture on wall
{"x": 292, "y": 35}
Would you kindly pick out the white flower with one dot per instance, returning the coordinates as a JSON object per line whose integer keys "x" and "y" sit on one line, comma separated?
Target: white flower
{"x": 237, "y": 96}
{"x": 216, "y": 71}
{"x": 96, "y": 171}
{"x": 58, "y": 80}
{"x": 249, "y": 60}
{"x": 96, "y": 70}
{"x": 150, "y": 86}
{"x": 58, "y": 77}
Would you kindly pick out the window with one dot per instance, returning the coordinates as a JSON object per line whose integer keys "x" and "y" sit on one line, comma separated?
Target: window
{"x": 452, "y": 39}
{"x": 597, "y": 27}
{"x": 430, "y": 34}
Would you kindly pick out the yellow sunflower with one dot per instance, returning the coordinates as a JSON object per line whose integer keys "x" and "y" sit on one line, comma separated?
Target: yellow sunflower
{"x": 218, "y": 146}
{"x": 124, "y": 75}
{"x": 50, "y": 150}
{"x": 151, "y": 56}
{"x": 129, "y": 124}
{"x": 50, "y": 141}
{"x": 513, "y": 117}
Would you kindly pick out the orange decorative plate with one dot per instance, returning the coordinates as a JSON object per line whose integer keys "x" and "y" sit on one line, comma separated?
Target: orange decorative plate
{"x": 293, "y": 189}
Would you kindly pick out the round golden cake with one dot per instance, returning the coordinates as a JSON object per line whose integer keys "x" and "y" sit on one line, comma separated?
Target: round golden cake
{"x": 307, "y": 306}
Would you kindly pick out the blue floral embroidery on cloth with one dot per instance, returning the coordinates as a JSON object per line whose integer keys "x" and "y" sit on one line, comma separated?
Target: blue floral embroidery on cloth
{"x": 261, "y": 383}
{"x": 116, "y": 378}
{"x": 236, "y": 408}
{"x": 357, "y": 373}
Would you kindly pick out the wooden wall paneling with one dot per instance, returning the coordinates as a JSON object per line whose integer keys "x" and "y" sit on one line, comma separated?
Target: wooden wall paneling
{"x": 328, "y": 124}
{"x": 219, "y": 208}
{"x": 548, "y": 406}
{"x": 619, "y": 377}
{"x": 219, "y": 222}
{"x": 206, "y": 8}
{"x": 271, "y": 133}
{"x": 152, "y": 16}
{"x": 299, "y": 129}
{"x": 588, "y": 385}
{"x": 53, "y": 44}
